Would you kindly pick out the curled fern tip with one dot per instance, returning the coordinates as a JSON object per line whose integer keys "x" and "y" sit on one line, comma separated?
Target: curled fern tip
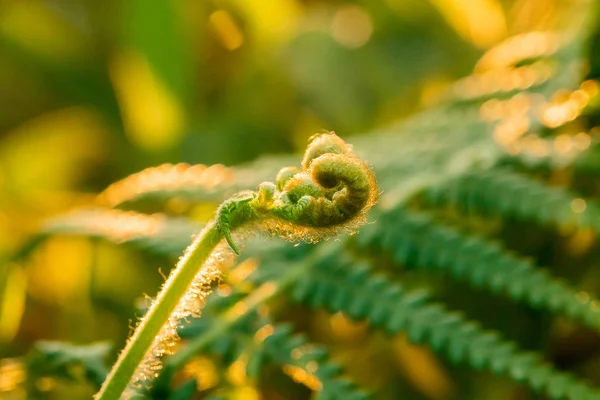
{"x": 332, "y": 192}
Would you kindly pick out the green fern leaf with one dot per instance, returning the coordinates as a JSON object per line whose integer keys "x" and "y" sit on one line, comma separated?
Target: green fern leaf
{"x": 417, "y": 240}
{"x": 157, "y": 233}
{"x": 388, "y": 306}
{"x": 510, "y": 194}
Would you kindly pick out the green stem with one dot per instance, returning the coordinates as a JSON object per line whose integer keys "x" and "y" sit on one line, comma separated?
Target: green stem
{"x": 143, "y": 338}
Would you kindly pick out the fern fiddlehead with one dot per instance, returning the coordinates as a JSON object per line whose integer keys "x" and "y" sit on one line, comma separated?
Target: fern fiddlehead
{"x": 332, "y": 193}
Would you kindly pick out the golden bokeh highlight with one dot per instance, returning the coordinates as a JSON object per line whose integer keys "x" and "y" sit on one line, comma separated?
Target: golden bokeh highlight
{"x": 244, "y": 393}
{"x": 258, "y": 296}
{"x": 239, "y": 274}
{"x": 78, "y": 129}
{"x": 263, "y": 333}
{"x": 581, "y": 242}
{"x": 153, "y": 116}
{"x": 203, "y": 371}
{"x": 270, "y": 23}
{"x": 302, "y": 376}
{"x": 226, "y": 29}
{"x": 236, "y": 373}
{"x": 563, "y": 143}
{"x": 506, "y": 79}
{"x": 518, "y": 48}
{"x": 351, "y": 26}
{"x": 513, "y": 117}
{"x": 345, "y": 329}
{"x": 582, "y": 141}
{"x": 482, "y": 22}
{"x": 499, "y": 70}
{"x": 424, "y": 371}
{"x": 12, "y": 375}
{"x": 578, "y": 205}
{"x": 63, "y": 280}
{"x": 13, "y": 302}
{"x": 564, "y": 107}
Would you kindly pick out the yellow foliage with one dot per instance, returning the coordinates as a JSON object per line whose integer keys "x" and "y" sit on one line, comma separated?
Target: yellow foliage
{"x": 34, "y": 26}
{"x": 153, "y": 116}
{"x": 480, "y": 21}
{"x": 423, "y": 370}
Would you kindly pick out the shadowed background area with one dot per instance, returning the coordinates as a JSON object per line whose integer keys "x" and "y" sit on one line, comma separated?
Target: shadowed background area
{"x": 94, "y": 91}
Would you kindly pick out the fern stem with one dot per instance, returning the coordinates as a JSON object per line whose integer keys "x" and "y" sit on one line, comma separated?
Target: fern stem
{"x": 174, "y": 288}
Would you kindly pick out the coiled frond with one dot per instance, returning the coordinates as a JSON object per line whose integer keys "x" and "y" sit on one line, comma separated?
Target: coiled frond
{"x": 331, "y": 194}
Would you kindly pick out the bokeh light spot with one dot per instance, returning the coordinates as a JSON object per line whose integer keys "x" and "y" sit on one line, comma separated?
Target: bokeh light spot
{"x": 351, "y": 27}
{"x": 228, "y": 32}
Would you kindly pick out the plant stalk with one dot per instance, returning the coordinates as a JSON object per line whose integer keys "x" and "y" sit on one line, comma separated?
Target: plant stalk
{"x": 143, "y": 338}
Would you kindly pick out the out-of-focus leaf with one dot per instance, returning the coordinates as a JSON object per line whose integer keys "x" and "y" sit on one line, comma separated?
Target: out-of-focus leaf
{"x": 13, "y": 284}
{"x": 271, "y": 22}
{"x": 34, "y": 26}
{"x": 479, "y": 21}
{"x": 69, "y": 361}
{"x": 31, "y": 167}
{"x": 151, "y": 75}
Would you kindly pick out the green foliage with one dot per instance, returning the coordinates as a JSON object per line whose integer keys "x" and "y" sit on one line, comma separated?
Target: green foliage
{"x": 341, "y": 285}
{"x": 514, "y": 195}
{"x": 447, "y": 178}
{"x": 157, "y": 234}
{"x": 69, "y": 361}
{"x": 417, "y": 240}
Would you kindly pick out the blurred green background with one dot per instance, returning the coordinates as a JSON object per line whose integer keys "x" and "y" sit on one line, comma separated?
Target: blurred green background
{"x": 92, "y": 91}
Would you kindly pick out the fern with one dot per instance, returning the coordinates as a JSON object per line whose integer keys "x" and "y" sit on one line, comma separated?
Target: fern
{"x": 337, "y": 283}
{"x": 260, "y": 340}
{"x": 515, "y": 195}
{"x": 417, "y": 240}
{"x": 69, "y": 361}
{"x": 332, "y": 192}
{"x": 158, "y": 234}
{"x": 453, "y": 154}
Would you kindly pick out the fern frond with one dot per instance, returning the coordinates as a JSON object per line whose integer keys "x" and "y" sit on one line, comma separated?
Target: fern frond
{"x": 417, "y": 240}
{"x": 193, "y": 182}
{"x": 69, "y": 361}
{"x": 166, "y": 179}
{"x": 155, "y": 233}
{"x": 338, "y": 284}
{"x": 305, "y": 362}
{"x": 510, "y": 194}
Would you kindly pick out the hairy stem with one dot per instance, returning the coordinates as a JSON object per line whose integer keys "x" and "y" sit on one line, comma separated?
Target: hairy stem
{"x": 174, "y": 288}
